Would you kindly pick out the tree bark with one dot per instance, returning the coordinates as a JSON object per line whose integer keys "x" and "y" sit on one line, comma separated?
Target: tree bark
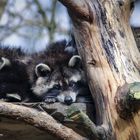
{"x": 40, "y": 120}
{"x": 112, "y": 60}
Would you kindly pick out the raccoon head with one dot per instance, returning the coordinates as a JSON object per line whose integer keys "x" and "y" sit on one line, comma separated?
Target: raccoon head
{"x": 74, "y": 80}
{"x": 64, "y": 82}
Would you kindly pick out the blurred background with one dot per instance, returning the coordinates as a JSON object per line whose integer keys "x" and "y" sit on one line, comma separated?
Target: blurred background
{"x": 32, "y": 24}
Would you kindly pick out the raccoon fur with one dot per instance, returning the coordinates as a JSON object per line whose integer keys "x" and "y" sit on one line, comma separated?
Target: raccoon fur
{"x": 57, "y": 74}
{"x": 13, "y": 75}
{"x": 54, "y": 74}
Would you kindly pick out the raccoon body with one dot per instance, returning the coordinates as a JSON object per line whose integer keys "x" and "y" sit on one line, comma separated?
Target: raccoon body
{"x": 54, "y": 74}
{"x": 13, "y": 75}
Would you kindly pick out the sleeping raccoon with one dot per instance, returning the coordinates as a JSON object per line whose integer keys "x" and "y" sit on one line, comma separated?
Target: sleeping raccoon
{"x": 13, "y": 75}
{"x": 57, "y": 75}
{"x": 52, "y": 75}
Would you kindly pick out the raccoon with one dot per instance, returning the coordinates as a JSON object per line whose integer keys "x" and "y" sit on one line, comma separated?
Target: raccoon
{"x": 55, "y": 74}
{"x": 13, "y": 75}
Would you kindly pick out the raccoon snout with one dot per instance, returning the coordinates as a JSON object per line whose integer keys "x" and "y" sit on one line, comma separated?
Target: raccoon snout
{"x": 68, "y": 100}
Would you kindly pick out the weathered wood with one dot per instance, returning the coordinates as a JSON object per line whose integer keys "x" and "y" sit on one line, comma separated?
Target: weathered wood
{"x": 128, "y": 100}
{"x": 111, "y": 59}
{"x": 38, "y": 119}
{"x": 10, "y": 128}
{"x": 61, "y": 111}
{"x": 14, "y": 129}
{"x": 78, "y": 116}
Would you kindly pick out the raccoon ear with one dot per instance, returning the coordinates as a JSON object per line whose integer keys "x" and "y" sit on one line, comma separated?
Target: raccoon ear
{"x": 75, "y": 61}
{"x": 42, "y": 70}
{"x": 4, "y": 62}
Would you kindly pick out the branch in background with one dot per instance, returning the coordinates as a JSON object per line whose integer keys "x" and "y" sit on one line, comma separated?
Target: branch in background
{"x": 2, "y": 6}
{"x": 52, "y": 25}
{"x": 78, "y": 8}
{"x": 40, "y": 120}
{"x": 42, "y": 12}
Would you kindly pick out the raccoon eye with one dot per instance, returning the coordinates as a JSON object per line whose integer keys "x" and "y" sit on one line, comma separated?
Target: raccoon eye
{"x": 57, "y": 86}
{"x": 72, "y": 83}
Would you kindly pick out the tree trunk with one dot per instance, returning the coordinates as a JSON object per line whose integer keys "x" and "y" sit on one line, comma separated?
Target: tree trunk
{"x": 112, "y": 61}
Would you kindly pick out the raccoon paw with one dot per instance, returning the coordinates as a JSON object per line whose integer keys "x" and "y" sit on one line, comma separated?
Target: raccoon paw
{"x": 50, "y": 100}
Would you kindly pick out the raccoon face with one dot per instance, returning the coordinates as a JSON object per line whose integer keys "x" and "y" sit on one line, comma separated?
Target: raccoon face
{"x": 62, "y": 83}
{"x": 71, "y": 85}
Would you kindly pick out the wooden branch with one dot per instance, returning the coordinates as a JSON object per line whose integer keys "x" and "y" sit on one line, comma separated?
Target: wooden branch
{"x": 128, "y": 99}
{"x": 92, "y": 131}
{"x": 79, "y": 8}
{"x": 74, "y": 114}
{"x": 60, "y": 111}
{"x": 40, "y": 120}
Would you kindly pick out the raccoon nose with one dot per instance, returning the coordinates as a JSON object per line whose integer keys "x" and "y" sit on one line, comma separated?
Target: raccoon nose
{"x": 68, "y": 100}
